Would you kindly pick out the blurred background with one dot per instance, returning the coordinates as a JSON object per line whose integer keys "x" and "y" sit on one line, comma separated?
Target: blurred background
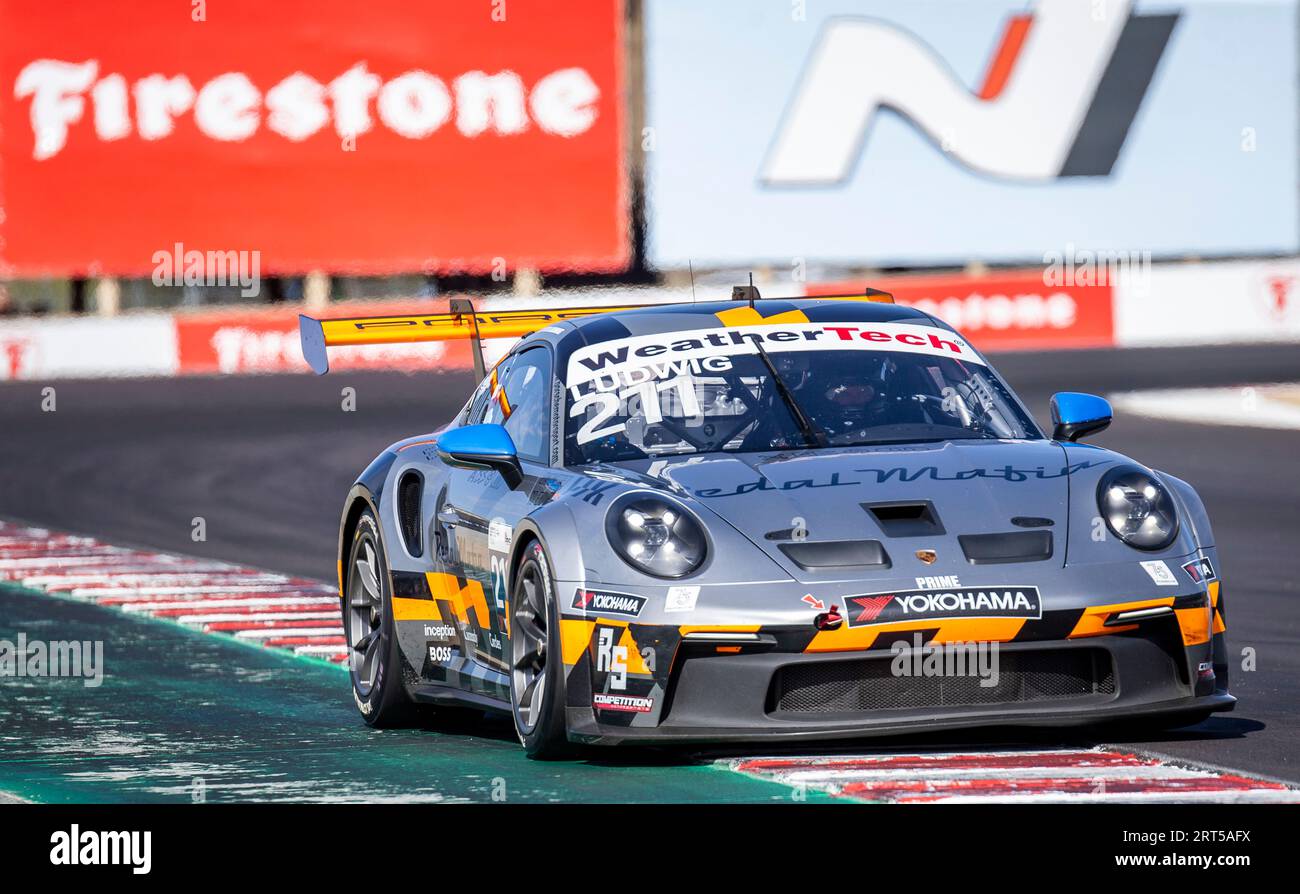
{"x": 178, "y": 180}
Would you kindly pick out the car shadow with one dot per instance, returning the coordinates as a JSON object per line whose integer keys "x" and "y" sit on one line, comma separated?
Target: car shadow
{"x": 988, "y": 739}
{"x": 498, "y": 727}
{"x": 1217, "y": 728}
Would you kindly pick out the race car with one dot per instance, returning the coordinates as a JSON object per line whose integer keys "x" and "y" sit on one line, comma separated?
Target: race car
{"x": 763, "y": 519}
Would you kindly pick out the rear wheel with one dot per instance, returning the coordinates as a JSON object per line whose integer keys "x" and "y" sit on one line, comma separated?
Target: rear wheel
{"x": 537, "y": 663}
{"x": 373, "y": 656}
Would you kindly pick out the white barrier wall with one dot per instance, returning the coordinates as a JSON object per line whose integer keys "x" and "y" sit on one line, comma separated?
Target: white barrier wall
{"x": 88, "y": 347}
{"x": 1172, "y": 304}
{"x": 1209, "y": 303}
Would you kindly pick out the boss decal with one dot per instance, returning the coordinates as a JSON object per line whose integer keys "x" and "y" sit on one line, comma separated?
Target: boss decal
{"x": 606, "y": 603}
{"x": 924, "y": 605}
{"x": 604, "y": 701}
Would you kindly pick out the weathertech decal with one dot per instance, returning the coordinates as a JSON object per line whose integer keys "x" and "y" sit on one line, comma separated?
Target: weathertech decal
{"x": 605, "y": 603}
{"x": 636, "y": 705}
{"x": 627, "y": 362}
{"x": 926, "y": 605}
{"x": 1060, "y": 91}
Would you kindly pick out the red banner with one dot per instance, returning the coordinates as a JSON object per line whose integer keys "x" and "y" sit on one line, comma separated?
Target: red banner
{"x": 237, "y": 342}
{"x": 1005, "y": 311}
{"x": 306, "y": 135}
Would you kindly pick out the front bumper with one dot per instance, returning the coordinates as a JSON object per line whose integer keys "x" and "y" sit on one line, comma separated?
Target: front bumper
{"x": 744, "y": 696}
{"x": 656, "y": 677}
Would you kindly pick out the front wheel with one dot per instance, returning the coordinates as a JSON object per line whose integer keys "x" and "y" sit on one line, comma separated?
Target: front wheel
{"x": 373, "y": 657}
{"x": 536, "y": 660}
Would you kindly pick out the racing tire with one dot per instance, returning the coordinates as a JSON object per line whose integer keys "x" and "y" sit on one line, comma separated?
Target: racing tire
{"x": 536, "y": 660}
{"x": 374, "y": 658}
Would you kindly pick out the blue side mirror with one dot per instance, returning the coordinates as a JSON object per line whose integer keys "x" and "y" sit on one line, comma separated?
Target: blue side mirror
{"x": 485, "y": 446}
{"x": 1076, "y": 415}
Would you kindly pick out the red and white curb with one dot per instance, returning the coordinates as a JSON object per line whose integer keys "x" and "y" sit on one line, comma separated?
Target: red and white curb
{"x": 1094, "y": 775}
{"x": 273, "y": 610}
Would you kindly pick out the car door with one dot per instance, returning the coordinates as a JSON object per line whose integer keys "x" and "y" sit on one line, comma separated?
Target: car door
{"x": 480, "y": 511}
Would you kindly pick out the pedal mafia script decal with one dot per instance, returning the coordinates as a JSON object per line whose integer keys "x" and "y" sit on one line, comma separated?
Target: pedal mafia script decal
{"x": 926, "y": 605}
{"x": 1059, "y": 94}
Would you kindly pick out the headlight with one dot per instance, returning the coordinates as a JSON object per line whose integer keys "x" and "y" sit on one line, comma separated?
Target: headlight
{"x": 655, "y": 535}
{"x": 1137, "y": 508}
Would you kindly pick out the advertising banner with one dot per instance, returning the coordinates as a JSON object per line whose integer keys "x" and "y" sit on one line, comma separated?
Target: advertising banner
{"x": 866, "y": 132}
{"x": 242, "y": 342}
{"x": 1005, "y": 311}
{"x": 311, "y": 135}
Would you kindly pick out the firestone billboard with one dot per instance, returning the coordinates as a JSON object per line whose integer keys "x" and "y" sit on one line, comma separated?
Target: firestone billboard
{"x": 322, "y": 134}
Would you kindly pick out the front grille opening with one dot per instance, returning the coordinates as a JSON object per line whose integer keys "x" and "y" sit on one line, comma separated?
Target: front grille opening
{"x": 409, "y": 490}
{"x": 906, "y": 519}
{"x": 865, "y": 685}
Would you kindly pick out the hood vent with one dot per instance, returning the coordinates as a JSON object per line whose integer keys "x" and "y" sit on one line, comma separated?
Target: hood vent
{"x": 906, "y": 518}
{"x": 1016, "y": 546}
{"x": 815, "y": 555}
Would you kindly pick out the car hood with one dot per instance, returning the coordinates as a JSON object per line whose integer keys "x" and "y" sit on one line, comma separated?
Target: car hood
{"x": 973, "y": 487}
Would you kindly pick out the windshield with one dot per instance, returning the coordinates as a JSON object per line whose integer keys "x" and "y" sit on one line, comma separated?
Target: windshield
{"x": 780, "y": 387}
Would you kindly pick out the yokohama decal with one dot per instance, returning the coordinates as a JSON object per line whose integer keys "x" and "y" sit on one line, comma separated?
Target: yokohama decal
{"x": 1059, "y": 95}
{"x": 925, "y": 605}
{"x": 602, "y": 602}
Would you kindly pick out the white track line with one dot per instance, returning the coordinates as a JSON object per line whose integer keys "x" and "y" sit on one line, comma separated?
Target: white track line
{"x": 144, "y": 593}
{"x": 151, "y": 606}
{"x": 1251, "y": 407}
{"x": 95, "y": 573}
{"x": 279, "y": 632}
{"x": 253, "y": 618}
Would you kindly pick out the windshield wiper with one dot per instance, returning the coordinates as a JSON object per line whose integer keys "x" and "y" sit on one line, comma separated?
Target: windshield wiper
{"x": 812, "y": 434}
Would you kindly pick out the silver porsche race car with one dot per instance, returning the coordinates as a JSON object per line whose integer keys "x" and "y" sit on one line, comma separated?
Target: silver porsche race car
{"x": 765, "y": 518}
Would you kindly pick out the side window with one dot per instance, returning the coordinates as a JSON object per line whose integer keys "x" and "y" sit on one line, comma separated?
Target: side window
{"x": 486, "y": 393}
{"x": 474, "y": 403}
{"x": 528, "y": 397}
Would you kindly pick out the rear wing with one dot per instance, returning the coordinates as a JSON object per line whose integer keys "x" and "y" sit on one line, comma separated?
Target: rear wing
{"x": 464, "y": 322}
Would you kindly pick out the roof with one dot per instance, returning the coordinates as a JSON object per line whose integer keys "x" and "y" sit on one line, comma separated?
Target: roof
{"x": 675, "y": 317}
